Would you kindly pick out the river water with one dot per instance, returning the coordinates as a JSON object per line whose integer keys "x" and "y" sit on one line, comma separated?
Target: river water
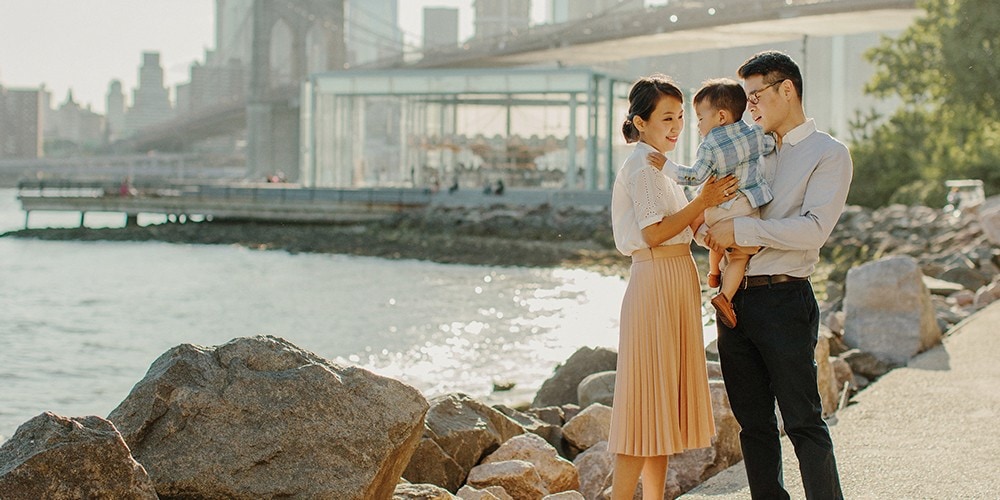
{"x": 82, "y": 321}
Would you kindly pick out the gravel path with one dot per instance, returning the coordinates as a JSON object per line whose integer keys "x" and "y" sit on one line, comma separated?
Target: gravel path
{"x": 925, "y": 431}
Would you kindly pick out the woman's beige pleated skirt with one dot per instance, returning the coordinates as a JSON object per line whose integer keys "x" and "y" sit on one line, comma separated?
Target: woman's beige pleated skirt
{"x": 662, "y": 405}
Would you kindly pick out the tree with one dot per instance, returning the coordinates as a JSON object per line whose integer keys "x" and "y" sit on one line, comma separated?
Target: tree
{"x": 945, "y": 68}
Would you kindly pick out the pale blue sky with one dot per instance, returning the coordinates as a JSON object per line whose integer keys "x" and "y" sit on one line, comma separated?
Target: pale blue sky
{"x": 84, "y": 44}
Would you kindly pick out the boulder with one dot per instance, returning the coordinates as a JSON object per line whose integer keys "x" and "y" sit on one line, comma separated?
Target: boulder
{"x": 589, "y": 427}
{"x": 987, "y": 295}
{"x": 551, "y": 432}
{"x": 843, "y": 373}
{"x": 517, "y": 477}
{"x": 714, "y": 369}
{"x": 597, "y": 388}
{"x": 233, "y": 421}
{"x": 888, "y": 310}
{"x": 489, "y": 493}
{"x": 865, "y": 364}
{"x": 565, "y": 495}
{"x": 549, "y": 414}
{"x": 561, "y": 388}
{"x": 963, "y": 298}
{"x": 941, "y": 287}
{"x": 594, "y": 466}
{"x": 556, "y": 472}
{"x": 463, "y": 431}
{"x": 834, "y": 341}
{"x": 432, "y": 465}
{"x": 989, "y": 219}
{"x": 421, "y": 492}
{"x": 712, "y": 350}
{"x": 966, "y": 277}
{"x": 826, "y": 379}
{"x": 692, "y": 467}
{"x": 61, "y": 458}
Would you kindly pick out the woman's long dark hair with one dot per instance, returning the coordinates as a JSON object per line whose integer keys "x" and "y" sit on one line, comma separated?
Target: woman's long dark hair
{"x": 642, "y": 100}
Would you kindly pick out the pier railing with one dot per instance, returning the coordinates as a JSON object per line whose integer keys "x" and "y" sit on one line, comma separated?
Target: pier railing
{"x": 268, "y": 202}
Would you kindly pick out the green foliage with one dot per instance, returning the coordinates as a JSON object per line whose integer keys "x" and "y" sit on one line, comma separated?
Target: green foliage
{"x": 945, "y": 68}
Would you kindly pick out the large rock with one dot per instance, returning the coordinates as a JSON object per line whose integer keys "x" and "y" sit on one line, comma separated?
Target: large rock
{"x": 692, "y": 467}
{"x": 60, "y": 458}
{"x": 589, "y": 427}
{"x": 561, "y": 388}
{"x": 408, "y": 491}
{"x": 489, "y": 493}
{"x": 557, "y": 473}
{"x": 888, "y": 310}
{"x": 533, "y": 423}
{"x": 517, "y": 477}
{"x": 865, "y": 364}
{"x": 987, "y": 295}
{"x": 594, "y": 466}
{"x": 597, "y": 388}
{"x": 463, "y": 431}
{"x": 826, "y": 378}
{"x": 260, "y": 418}
{"x": 989, "y": 219}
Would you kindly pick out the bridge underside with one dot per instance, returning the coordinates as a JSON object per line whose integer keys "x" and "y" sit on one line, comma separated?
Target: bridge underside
{"x": 687, "y": 40}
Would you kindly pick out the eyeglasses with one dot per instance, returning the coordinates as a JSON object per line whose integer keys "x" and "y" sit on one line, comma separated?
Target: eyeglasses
{"x": 754, "y": 97}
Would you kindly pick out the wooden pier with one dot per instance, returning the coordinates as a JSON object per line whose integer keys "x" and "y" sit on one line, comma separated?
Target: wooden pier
{"x": 264, "y": 202}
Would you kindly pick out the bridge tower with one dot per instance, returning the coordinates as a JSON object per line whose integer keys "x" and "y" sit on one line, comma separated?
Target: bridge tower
{"x": 290, "y": 40}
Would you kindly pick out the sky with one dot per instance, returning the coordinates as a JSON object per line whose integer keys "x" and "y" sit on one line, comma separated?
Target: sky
{"x": 85, "y": 44}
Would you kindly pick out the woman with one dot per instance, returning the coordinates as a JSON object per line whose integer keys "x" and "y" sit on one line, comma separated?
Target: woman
{"x": 662, "y": 405}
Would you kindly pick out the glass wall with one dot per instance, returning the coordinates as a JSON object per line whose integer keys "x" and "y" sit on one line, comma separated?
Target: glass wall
{"x": 555, "y": 128}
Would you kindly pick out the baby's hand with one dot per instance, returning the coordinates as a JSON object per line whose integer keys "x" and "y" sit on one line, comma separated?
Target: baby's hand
{"x": 656, "y": 160}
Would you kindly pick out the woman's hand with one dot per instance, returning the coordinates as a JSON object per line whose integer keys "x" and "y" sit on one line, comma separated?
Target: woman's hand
{"x": 716, "y": 191}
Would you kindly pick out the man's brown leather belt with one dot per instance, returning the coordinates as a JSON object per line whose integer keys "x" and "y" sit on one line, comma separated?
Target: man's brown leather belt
{"x": 773, "y": 279}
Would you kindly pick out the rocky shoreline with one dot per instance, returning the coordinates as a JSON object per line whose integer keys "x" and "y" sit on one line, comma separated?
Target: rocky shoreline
{"x": 230, "y": 421}
{"x": 494, "y": 237}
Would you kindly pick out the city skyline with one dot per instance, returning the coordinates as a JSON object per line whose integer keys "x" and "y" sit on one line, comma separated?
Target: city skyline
{"x": 84, "y": 45}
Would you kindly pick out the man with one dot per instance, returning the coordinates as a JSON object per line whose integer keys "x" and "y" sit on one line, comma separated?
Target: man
{"x": 768, "y": 356}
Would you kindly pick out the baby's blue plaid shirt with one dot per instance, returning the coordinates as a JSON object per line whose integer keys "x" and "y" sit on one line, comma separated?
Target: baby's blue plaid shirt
{"x": 737, "y": 149}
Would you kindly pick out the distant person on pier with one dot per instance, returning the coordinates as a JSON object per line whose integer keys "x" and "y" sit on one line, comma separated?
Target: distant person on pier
{"x": 729, "y": 146}
{"x": 498, "y": 190}
{"x": 125, "y": 188}
{"x": 662, "y": 405}
{"x": 770, "y": 355}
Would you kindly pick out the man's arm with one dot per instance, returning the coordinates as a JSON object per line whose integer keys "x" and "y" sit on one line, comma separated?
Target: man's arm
{"x": 822, "y": 205}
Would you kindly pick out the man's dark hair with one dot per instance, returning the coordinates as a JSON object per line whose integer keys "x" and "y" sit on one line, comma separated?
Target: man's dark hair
{"x": 723, "y": 93}
{"x": 774, "y": 66}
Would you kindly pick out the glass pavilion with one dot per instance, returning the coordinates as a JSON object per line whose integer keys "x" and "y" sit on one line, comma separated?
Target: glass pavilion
{"x": 551, "y": 128}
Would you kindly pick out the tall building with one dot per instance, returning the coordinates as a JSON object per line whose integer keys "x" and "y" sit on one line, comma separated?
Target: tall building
{"x": 71, "y": 126}
{"x": 495, "y": 18}
{"x": 562, "y": 11}
{"x": 21, "y": 123}
{"x": 372, "y": 31}
{"x": 114, "y": 125}
{"x": 150, "y": 100}
{"x": 440, "y": 28}
{"x": 212, "y": 85}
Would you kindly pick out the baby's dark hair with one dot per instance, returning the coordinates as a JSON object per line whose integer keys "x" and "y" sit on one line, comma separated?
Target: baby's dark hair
{"x": 773, "y": 66}
{"x": 642, "y": 100}
{"x": 723, "y": 94}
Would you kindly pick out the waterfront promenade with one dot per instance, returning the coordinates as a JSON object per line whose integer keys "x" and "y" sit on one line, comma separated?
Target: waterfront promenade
{"x": 924, "y": 431}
